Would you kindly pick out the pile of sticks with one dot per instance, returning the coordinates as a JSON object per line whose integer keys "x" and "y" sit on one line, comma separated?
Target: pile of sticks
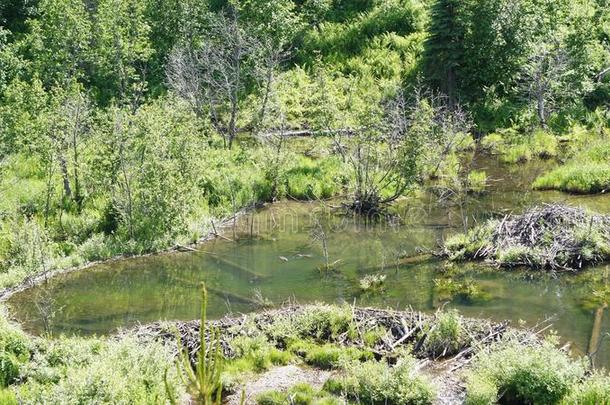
{"x": 404, "y": 329}
{"x": 554, "y": 234}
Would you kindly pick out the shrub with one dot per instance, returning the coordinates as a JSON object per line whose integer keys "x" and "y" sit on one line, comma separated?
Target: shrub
{"x": 331, "y": 356}
{"x": 377, "y": 382}
{"x": 300, "y": 394}
{"x": 477, "y": 181}
{"x": 79, "y": 370}
{"x": 493, "y": 143}
{"x": 444, "y": 335}
{"x": 322, "y": 322}
{"x": 374, "y": 336}
{"x": 372, "y": 282}
{"x": 482, "y": 392}
{"x": 539, "y": 373}
{"x": 7, "y": 397}
{"x": 95, "y": 248}
{"x": 14, "y": 350}
{"x": 594, "y": 390}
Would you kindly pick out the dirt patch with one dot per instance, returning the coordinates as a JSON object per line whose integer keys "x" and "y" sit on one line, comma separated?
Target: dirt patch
{"x": 279, "y": 379}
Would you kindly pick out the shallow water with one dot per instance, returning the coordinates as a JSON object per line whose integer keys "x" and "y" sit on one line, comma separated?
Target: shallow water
{"x": 276, "y": 259}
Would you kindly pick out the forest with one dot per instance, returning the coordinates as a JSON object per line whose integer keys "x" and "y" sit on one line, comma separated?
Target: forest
{"x": 143, "y": 141}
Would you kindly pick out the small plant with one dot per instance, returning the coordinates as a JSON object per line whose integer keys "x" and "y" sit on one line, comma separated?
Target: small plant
{"x": 300, "y": 394}
{"x": 477, "y": 181}
{"x": 330, "y": 356}
{"x": 444, "y": 336}
{"x": 203, "y": 380}
{"x": 372, "y": 282}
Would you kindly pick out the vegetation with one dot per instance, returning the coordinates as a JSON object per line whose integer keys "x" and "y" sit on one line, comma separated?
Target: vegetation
{"x": 549, "y": 237}
{"x": 586, "y": 172}
{"x": 134, "y": 126}
{"x": 539, "y": 373}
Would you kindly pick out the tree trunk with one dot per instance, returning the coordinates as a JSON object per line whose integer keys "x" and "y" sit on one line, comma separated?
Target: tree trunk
{"x": 64, "y": 174}
{"x": 541, "y": 110}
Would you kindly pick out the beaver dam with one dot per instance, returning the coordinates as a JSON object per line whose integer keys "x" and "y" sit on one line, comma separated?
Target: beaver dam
{"x": 272, "y": 258}
{"x": 327, "y": 354}
{"x": 550, "y": 236}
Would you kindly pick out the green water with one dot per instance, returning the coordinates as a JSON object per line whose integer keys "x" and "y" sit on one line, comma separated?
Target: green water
{"x": 275, "y": 257}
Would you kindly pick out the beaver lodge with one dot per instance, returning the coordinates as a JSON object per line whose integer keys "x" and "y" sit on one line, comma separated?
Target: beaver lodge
{"x": 324, "y": 353}
{"x": 551, "y": 236}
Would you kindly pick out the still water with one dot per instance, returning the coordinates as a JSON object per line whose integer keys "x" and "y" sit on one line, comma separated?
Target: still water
{"x": 275, "y": 258}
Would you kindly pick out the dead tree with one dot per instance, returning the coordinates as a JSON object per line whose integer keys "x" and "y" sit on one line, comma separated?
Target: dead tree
{"x": 212, "y": 76}
{"x": 542, "y": 78}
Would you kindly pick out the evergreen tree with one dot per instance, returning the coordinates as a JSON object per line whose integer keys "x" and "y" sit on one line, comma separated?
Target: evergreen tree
{"x": 444, "y": 48}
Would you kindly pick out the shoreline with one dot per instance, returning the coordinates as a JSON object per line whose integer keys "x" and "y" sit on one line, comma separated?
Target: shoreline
{"x": 30, "y": 282}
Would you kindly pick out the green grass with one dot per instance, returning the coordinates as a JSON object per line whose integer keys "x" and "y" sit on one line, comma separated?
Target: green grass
{"x": 376, "y": 382}
{"x": 576, "y": 177}
{"x": 477, "y": 181}
{"x": 300, "y": 394}
{"x": 538, "y": 374}
{"x": 587, "y": 172}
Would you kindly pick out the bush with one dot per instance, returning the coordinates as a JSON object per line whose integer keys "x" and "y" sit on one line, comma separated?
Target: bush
{"x": 322, "y": 322}
{"x": 7, "y": 397}
{"x": 538, "y": 374}
{"x": 14, "y": 350}
{"x": 330, "y": 356}
{"x": 77, "y": 370}
{"x": 300, "y": 394}
{"x": 493, "y": 143}
{"x": 444, "y": 335}
{"x": 477, "y": 181}
{"x": 375, "y": 382}
{"x": 372, "y": 282}
{"x": 95, "y": 248}
{"x": 594, "y": 390}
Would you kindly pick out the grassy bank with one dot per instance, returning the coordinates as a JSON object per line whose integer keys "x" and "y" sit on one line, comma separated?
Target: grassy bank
{"x": 376, "y": 356}
{"x": 41, "y": 233}
{"x": 587, "y": 172}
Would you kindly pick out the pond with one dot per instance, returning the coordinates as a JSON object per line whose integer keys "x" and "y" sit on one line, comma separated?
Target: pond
{"x": 275, "y": 259}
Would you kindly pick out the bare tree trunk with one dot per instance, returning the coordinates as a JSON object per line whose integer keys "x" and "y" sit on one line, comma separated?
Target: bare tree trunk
{"x": 541, "y": 109}
{"x": 77, "y": 194}
{"x": 64, "y": 174}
